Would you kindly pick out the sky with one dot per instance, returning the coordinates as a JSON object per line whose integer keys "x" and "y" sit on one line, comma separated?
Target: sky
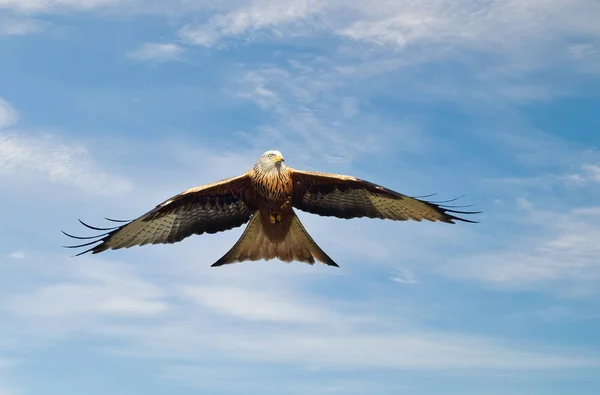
{"x": 109, "y": 107}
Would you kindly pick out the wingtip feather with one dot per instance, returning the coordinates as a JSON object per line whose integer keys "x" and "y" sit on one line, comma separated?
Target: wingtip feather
{"x": 94, "y": 227}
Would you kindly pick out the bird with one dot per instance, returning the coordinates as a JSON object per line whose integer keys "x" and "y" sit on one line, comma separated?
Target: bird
{"x": 265, "y": 197}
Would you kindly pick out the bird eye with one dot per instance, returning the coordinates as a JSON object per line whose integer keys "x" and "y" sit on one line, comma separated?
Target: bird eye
{"x": 271, "y": 156}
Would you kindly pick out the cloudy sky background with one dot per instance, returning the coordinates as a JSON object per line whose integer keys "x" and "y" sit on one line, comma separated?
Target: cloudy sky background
{"x": 108, "y": 107}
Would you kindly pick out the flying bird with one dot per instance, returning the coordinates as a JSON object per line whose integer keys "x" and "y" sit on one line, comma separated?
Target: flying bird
{"x": 266, "y": 196}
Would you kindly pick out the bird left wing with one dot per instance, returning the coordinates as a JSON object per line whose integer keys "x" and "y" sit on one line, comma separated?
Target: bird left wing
{"x": 209, "y": 208}
{"x": 349, "y": 197}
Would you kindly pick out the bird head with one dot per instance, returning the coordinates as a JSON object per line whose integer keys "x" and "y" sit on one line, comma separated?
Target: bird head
{"x": 271, "y": 159}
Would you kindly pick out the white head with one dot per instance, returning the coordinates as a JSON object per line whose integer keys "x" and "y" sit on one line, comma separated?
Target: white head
{"x": 270, "y": 160}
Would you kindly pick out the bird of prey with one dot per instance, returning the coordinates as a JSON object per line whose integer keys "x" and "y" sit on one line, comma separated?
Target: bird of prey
{"x": 266, "y": 196}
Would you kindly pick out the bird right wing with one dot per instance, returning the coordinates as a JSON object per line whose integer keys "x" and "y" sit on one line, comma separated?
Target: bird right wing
{"x": 349, "y": 197}
{"x": 209, "y": 208}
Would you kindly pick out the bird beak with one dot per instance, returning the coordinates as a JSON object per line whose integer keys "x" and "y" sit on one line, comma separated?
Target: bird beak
{"x": 279, "y": 159}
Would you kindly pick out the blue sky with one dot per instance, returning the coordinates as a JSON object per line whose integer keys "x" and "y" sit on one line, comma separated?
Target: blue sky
{"x": 108, "y": 107}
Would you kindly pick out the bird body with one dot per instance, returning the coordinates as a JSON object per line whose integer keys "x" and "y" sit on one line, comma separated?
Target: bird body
{"x": 274, "y": 189}
{"x": 265, "y": 198}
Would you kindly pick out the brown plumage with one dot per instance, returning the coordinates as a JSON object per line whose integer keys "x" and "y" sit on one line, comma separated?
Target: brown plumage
{"x": 266, "y": 196}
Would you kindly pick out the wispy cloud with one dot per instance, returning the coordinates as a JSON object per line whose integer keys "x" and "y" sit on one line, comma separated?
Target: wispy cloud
{"x": 591, "y": 173}
{"x": 404, "y": 276}
{"x": 157, "y": 51}
{"x": 531, "y": 30}
{"x": 335, "y": 349}
{"x": 308, "y": 111}
{"x": 561, "y": 257}
{"x": 586, "y": 56}
{"x": 7, "y": 391}
{"x": 13, "y": 26}
{"x": 402, "y": 24}
{"x": 17, "y": 255}
{"x": 252, "y": 18}
{"x": 43, "y": 6}
{"x": 582, "y": 176}
{"x": 90, "y": 290}
{"x": 57, "y": 162}
{"x": 233, "y": 314}
{"x": 48, "y": 156}
{"x": 537, "y": 38}
{"x": 470, "y": 24}
{"x": 8, "y": 115}
{"x": 252, "y": 305}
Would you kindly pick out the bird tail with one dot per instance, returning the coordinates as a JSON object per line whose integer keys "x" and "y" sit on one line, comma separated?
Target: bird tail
{"x": 255, "y": 244}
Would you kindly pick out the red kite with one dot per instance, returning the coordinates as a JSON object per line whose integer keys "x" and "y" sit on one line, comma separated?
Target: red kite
{"x": 266, "y": 196}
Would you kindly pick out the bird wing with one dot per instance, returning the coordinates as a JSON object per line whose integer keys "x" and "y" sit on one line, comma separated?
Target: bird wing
{"x": 349, "y": 197}
{"x": 205, "y": 209}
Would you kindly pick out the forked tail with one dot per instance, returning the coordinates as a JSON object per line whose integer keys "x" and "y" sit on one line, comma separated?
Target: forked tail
{"x": 255, "y": 244}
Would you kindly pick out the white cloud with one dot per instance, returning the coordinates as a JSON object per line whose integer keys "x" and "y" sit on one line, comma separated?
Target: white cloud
{"x": 397, "y": 30}
{"x": 45, "y": 5}
{"x": 7, "y": 391}
{"x": 57, "y": 162}
{"x": 586, "y": 57}
{"x": 535, "y": 36}
{"x": 592, "y": 172}
{"x": 8, "y": 115}
{"x": 60, "y": 300}
{"x": 90, "y": 289}
{"x": 157, "y": 51}
{"x": 582, "y": 176}
{"x": 584, "y": 50}
{"x": 253, "y": 305}
{"x": 17, "y": 255}
{"x": 333, "y": 348}
{"x": 4, "y": 389}
{"x": 393, "y": 35}
{"x": 401, "y": 351}
{"x": 257, "y": 15}
{"x": 306, "y": 108}
{"x": 198, "y": 36}
{"x": 19, "y": 26}
{"x": 562, "y": 257}
{"x": 236, "y": 317}
{"x": 48, "y": 156}
{"x": 467, "y": 24}
{"x": 442, "y": 24}
{"x": 404, "y": 276}
{"x": 383, "y": 22}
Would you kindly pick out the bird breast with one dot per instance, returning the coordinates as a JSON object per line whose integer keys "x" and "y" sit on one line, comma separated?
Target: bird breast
{"x": 275, "y": 185}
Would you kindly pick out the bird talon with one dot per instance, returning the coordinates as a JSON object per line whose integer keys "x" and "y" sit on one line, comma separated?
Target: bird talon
{"x": 275, "y": 218}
